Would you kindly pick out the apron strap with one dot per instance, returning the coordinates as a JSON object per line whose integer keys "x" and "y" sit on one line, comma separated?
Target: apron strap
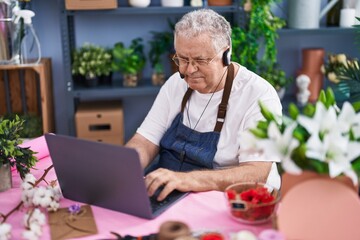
{"x": 185, "y": 99}
{"x": 225, "y": 98}
{"x": 224, "y": 101}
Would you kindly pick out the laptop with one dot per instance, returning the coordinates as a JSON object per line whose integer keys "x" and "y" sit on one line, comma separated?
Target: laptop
{"x": 104, "y": 175}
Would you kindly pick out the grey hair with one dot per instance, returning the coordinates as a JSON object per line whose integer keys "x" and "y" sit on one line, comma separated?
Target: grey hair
{"x": 205, "y": 21}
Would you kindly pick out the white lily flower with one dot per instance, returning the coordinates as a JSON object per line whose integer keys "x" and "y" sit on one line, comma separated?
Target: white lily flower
{"x": 347, "y": 118}
{"x": 280, "y": 146}
{"x": 336, "y": 150}
{"x": 323, "y": 120}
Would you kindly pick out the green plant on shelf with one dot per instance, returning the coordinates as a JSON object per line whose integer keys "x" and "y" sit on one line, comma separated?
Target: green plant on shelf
{"x": 129, "y": 60}
{"x": 160, "y": 44}
{"x": 91, "y": 61}
{"x": 260, "y": 33}
{"x": 274, "y": 75}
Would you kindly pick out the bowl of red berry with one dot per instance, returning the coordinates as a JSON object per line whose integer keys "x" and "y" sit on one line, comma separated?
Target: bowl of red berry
{"x": 252, "y": 202}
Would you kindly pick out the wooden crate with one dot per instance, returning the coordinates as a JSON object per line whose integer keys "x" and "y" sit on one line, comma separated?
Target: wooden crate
{"x": 90, "y": 4}
{"x": 36, "y": 89}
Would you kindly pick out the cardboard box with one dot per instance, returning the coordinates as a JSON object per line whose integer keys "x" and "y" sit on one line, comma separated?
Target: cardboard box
{"x": 100, "y": 121}
{"x": 90, "y": 4}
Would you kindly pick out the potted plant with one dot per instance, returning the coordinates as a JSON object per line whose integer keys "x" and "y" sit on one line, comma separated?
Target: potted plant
{"x": 305, "y": 144}
{"x": 275, "y": 76}
{"x": 161, "y": 43}
{"x": 129, "y": 61}
{"x": 261, "y": 28}
{"x": 91, "y": 62}
{"x": 11, "y": 153}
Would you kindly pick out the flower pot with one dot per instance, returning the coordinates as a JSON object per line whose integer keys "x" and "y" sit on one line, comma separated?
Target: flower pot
{"x": 319, "y": 208}
{"x": 219, "y": 2}
{"x": 130, "y": 80}
{"x": 312, "y": 60}
{"x": 290, "y": 180}
{"x": 5, "y": 177}
{"x": 139, "y": 3}
{"x": 106, "y": 80}
{"x": 172, "y": 3}
{"x": 158, "y": 79}
{"x": 91, "y": 82}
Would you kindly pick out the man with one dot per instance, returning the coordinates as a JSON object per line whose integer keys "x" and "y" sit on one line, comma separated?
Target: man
{"x": 196, "y": 120}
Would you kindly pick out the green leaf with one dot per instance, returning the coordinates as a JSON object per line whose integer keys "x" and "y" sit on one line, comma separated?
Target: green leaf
{"x": 293, "y": 111}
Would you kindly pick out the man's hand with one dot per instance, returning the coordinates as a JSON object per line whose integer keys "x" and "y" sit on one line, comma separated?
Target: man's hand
{"x": 170, "y": 180}
{"x": 205, "y": 180}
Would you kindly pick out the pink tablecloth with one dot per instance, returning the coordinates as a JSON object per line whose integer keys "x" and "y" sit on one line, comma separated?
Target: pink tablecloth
{"x": 201, "y": 211}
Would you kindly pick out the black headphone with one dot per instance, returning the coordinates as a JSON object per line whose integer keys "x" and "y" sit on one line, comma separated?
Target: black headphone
{"x": 226, "y": 57}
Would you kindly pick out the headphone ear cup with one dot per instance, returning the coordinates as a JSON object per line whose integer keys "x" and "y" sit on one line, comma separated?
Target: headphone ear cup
{"x": 226, "y": 57}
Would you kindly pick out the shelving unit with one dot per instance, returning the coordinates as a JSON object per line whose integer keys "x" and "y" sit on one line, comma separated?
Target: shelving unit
{"x": 141, "y": 96}
{"x": 104, "y": 26}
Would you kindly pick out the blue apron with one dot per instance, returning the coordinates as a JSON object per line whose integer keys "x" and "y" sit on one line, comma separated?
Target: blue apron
{"x": 184, "y": 149}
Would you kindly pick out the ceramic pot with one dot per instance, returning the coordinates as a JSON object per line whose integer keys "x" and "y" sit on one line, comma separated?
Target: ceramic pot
{"x": 106, "y": 80}
{"x": 91, "y": 82}
{"x": 290, "y": 180}
{"x": 139, "y": 3}
{"x": 5, "y": 177}
{"x": 158, "y": 79}
{"x": 219, "y": 2}
{"x": 130, "y": 80}
{"x": 322, "y": 206}
{"x": 172, "y": 3}
{"x": 312, "y": 60}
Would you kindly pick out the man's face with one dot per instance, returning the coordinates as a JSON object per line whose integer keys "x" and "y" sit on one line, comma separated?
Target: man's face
{"x": 200, "y": 63}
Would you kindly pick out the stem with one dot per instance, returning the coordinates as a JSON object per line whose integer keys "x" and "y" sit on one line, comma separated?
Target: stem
{"x": 5, "y": 216}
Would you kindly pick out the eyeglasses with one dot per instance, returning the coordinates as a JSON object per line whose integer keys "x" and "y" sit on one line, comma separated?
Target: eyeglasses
{"x": 182, "y": 62}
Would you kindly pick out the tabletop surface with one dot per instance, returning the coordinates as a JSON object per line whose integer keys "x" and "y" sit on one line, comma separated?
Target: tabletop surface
{"x": 206, "y": 211}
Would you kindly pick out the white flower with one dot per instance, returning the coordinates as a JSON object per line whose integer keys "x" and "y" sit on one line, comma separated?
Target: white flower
{"x": 53, "y": 206}
{"x": 348, "y": 118}
{"x": 30, "y": 178}
{"x": 56, "y": 191}
{"x": 280, "y": 146}
{"x": 30, "y": 235}
{"x": 5, "y": 231}
{"x": 35, "y": 228}
{"x": 35, "y": 216}
{"x": 322, "y": 122}
{"x": 336, "y": 150}
{"x": 27, "y": 197}
{"x": 42, "y": 197}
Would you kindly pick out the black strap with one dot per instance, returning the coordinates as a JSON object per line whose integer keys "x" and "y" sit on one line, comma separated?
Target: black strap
{"x": 225, "y": 98}
{"x": 224, "y": 101}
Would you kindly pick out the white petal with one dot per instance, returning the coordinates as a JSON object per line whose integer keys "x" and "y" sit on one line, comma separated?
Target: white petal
{"x": 289, "y": 166}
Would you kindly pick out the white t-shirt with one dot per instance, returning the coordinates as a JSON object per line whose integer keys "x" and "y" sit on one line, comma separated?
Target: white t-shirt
{"x": 242, "y": 113}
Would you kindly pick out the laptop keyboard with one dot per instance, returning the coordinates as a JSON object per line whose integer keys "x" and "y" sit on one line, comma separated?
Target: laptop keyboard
{"x": 160, "y": 206}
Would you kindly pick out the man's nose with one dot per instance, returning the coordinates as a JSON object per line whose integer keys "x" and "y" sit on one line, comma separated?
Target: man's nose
{"x": 191, "y": 66}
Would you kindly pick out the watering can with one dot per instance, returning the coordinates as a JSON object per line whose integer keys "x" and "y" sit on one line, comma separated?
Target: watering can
{"x": 304, "y": 14}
